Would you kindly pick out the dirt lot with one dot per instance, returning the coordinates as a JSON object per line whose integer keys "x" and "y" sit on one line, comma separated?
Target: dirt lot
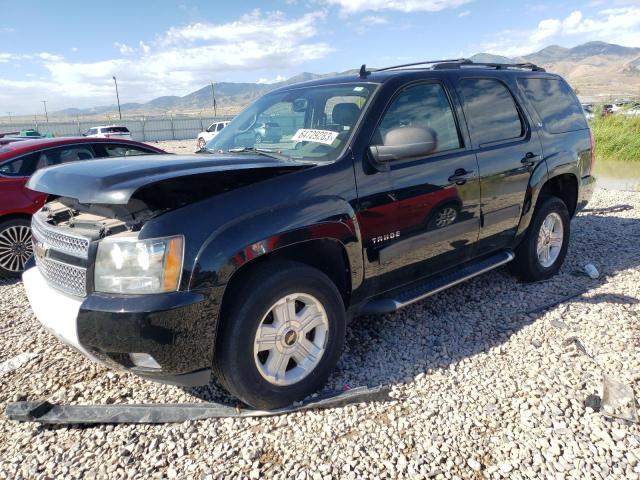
{"x": 176, "y": 146}
{"x": 485, "y": 385}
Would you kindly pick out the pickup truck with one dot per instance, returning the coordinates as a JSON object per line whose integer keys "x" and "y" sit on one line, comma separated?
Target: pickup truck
{"x": 247, "y": 262}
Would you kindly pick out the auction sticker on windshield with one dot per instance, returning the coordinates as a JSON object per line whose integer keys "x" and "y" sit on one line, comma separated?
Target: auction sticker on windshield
{"x": 318, "y": 136}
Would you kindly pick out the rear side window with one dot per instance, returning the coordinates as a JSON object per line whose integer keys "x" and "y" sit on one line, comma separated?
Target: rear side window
{"x": 490, "y": 110}
{"x": 115, "y": 130}
{"x": 555, "y": 103}
{"x": 56, "y": 156}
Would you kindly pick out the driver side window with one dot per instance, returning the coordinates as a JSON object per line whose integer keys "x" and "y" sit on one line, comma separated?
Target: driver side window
{"x": 423, "y": 107}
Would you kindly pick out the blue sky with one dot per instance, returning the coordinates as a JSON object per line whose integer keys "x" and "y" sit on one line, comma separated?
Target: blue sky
{"x": 66, "y": 52}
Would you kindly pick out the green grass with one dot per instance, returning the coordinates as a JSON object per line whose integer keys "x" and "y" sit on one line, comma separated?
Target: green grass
{"x": 617, "y": 138}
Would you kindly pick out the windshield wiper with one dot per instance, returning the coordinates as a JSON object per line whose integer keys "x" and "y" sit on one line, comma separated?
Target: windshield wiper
{"x": 260, "y": 151}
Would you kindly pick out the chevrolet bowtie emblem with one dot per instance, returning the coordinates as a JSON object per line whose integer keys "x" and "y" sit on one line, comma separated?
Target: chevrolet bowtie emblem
{"x": 41, "y": 250}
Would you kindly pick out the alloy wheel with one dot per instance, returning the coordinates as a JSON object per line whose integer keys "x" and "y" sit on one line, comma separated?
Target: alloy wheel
{"x": 15, "y": 247}
{"x": 291, "y": 339}
{"x": 446, "y": 216}
{"x": 550, "y": 239}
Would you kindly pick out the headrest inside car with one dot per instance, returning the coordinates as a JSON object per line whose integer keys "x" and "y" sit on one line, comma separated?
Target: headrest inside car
{"x": 345, "y": 114}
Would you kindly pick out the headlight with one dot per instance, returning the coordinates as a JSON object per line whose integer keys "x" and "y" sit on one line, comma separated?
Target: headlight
{"x": 128, "y": 265}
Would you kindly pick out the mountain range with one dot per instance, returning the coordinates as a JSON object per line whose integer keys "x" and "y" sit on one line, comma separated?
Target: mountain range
{"x": 596, "y": 70}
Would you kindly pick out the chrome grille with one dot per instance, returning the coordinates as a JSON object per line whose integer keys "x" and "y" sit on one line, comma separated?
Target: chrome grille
{"x": 61, "y": 242}
{"x": 69, "y": 278}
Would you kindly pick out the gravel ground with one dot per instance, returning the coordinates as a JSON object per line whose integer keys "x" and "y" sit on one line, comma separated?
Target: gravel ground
{"x": 176, "y": 146}
{"x": 481, "y": 389}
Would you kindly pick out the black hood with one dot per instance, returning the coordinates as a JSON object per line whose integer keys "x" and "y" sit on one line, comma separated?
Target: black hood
{"x": 115, "y": 181}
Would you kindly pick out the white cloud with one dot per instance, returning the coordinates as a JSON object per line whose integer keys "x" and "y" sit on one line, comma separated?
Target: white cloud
{"x": 273, "y": 26}
{"x": 348, "y": 7}
{"x": 266, "y": 81}
{"x": 375, "y": 20}
{"x": 466, "y": 13}
{"x": 615, "y": 25}
{"x": 74, "y": 49}
{"x": 176, "y": 63}
{"x": 49, "y": 57}
{"x": 124, "y": 49}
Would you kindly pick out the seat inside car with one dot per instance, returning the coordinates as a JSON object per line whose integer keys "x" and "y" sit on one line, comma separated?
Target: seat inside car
{"x": 345, "y": 115}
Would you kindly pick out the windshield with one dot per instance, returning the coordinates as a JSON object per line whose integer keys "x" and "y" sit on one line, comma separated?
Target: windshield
{"x": 313, "y": 123}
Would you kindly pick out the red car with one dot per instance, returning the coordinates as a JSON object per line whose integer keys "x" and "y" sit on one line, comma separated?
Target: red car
{"x": 19, "y": 159}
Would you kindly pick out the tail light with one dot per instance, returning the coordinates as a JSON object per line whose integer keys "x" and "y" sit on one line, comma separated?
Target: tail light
{"x": 593, "y": 151}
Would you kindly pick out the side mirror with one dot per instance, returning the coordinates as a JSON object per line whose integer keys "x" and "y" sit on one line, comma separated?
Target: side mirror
{"x": 405, "y": 142}
{"x": 300, "y": 105}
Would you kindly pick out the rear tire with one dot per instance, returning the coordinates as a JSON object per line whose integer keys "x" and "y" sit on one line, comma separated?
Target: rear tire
{"x": 15, "y": 246}
{"x": 544, "y": 247}
{"x": 265, "y": 335}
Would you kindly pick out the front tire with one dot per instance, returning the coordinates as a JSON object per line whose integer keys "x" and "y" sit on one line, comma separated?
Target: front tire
{"x": 15, "y": 246}
{"x": 544, "y": 247}
{"x": 281, "y": 342}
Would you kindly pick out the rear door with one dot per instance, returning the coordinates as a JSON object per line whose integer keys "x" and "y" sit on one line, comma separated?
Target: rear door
{"x": 507, "y": 148}
{"x": 422, "y": 215}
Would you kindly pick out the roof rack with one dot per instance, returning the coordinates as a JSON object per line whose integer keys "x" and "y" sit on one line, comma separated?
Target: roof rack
{"x": 458, "y": 63}
{"x": 429, "y": 62}
{"x": 498, "y": 66}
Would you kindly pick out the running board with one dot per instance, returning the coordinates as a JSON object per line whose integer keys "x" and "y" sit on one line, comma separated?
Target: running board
{"x": 397, "y": 299}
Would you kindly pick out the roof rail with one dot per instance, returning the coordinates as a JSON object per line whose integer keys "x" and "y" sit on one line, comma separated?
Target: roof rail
{"x": 458, "y": 63}
{"x": 429, "y": 62}
{"x": 498, "y": 66}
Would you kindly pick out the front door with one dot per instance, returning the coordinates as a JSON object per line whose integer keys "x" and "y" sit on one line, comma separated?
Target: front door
{"x": 507, "y": 149}
{"x": 424, "y": 215}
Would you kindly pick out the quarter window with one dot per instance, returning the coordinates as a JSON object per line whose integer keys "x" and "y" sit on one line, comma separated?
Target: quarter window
{"x": 555, "y": 103}
{"x": 490, "y": 110}
{"x": 424, "y": 106}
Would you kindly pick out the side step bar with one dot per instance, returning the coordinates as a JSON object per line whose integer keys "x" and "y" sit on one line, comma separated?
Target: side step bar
{"x": 397, "y": 299}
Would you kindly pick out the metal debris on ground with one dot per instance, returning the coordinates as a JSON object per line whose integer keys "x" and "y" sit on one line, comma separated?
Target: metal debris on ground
{"x": 618, "y": 400}
{"x": 559, "y": 324}
{"x": 45, "y": 412}
{"x": 16, "y": 362}
{"x": 594, "y": 402}
{"x": 579, "y": 347}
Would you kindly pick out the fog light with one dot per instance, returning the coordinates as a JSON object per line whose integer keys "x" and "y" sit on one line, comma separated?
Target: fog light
{"x": 144, "y": 360}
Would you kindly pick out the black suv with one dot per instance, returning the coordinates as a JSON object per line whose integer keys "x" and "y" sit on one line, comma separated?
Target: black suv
{"x": 248, "y": 260}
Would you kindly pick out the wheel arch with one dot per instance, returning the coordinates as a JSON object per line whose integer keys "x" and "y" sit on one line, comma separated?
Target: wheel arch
{"x": 15, "y": 216}
{"x": 327, "y": 255}
{"x": 561, "y": 182}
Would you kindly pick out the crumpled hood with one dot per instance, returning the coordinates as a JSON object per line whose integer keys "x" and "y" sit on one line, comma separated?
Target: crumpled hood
{"x": 116, "y": 180}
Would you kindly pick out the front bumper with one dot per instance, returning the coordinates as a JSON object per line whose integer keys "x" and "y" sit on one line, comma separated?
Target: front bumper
{"x": 176, "y": 329}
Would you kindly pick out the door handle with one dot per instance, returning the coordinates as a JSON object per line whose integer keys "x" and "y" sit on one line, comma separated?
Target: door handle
{"x": 530, "y": 159}
{"x": 460, "y": 176}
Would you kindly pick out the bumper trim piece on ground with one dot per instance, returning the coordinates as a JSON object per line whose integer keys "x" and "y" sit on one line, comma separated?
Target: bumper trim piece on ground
{"x": 47, "y": 413}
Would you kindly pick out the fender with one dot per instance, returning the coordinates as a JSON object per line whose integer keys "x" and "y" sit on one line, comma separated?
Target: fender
{"x": 238, "y": 243}
{"x": 538, "y": 178}
{"x": 555, "y": 165}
